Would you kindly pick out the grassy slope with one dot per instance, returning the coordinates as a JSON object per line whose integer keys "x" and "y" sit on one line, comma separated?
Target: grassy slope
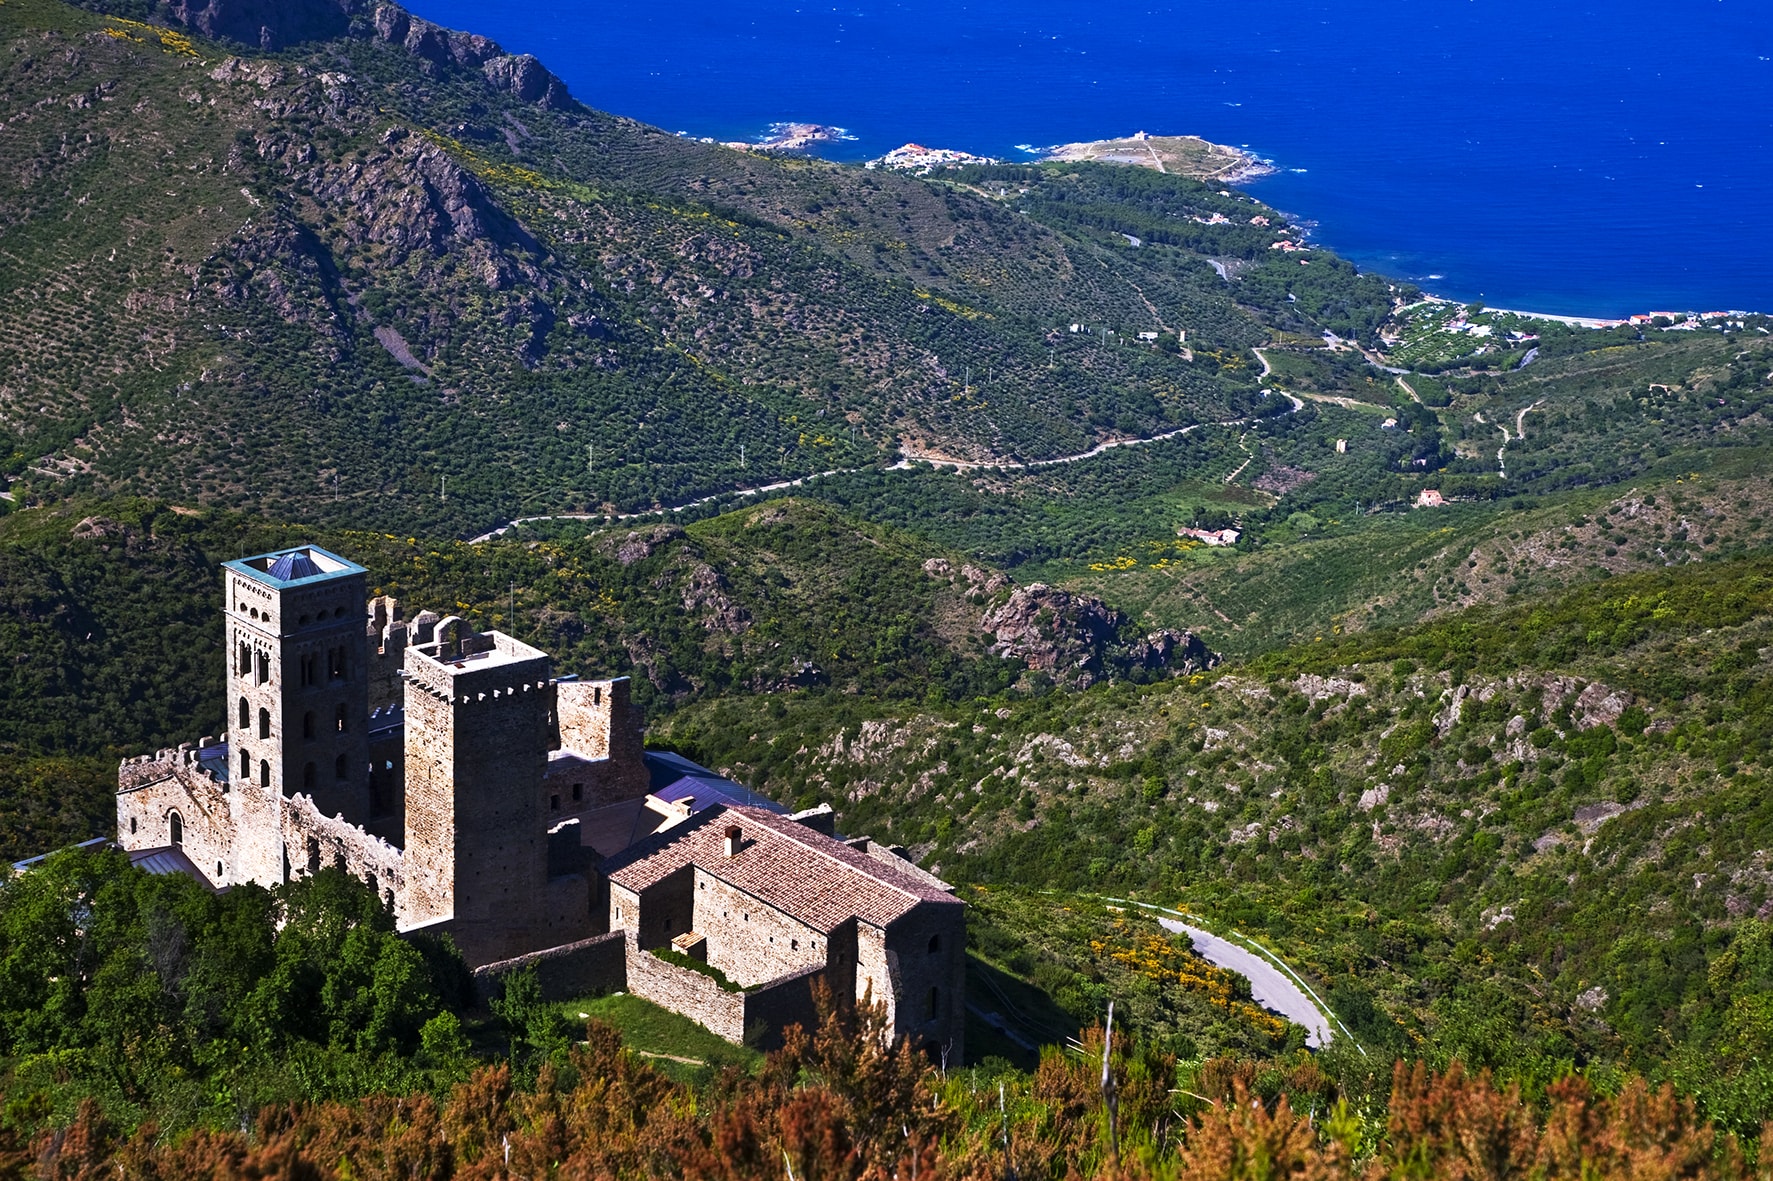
{"x": 1315, "y": 558}
{"x": 1503, "y": 882}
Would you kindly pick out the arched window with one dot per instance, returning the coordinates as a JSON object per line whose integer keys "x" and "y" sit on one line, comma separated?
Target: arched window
{"x": 935, "y": 998}
{"x": 308, "y": 777}
{"x": 243, "y": 664}
{"x": 264, "y": 723}
{"x": 245, "y": 717}
{"x": 245, "y": 765}
{"x": 264, "y": 668}
{"x": 935, "y": 944}
{"x": 132, "y": 826}
{"x": 177, "y": 824}
{"x": 339, "y": 718}
{"x": 264, "y": 773}
{"x": 339, "y": 767}
{"x": 308, "y": 724}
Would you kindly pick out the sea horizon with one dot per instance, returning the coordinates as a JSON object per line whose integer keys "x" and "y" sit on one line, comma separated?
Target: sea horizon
{"x": 1577, "y": 161}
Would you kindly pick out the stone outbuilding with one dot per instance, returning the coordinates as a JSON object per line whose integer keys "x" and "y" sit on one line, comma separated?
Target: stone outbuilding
{"x": 762, "y": 897}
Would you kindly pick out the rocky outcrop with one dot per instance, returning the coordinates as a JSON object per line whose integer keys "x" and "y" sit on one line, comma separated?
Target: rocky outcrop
{"x": 1079, "y": 640}
{"x": 268, "y": 24}
{"x": 705, "y": 596}
{"x": 519, "y": 75}
{"x": 1179, "y": 652}
{"x": 526, "y": 78}
{"x": 1315, "y": 688}
{"x": 1076, "y": 639}
{"x": 98, "y": 528}
{"x": 277, "y": 24}
{"x": 1591, "y": 704}
{"x": 641, "y": 544}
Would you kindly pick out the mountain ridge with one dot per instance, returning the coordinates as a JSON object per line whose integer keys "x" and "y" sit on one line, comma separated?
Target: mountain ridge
{"x": 614, "y": 316}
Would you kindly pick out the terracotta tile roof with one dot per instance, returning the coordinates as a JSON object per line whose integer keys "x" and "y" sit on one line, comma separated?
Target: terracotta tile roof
{"x": 803, "y": 873}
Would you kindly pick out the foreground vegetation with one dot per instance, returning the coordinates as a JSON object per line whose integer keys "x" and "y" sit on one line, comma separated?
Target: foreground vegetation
{"x": 175, "y": 1033}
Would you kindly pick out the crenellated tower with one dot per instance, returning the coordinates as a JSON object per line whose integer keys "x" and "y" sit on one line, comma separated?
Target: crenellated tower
{"x": 479, "y": 724}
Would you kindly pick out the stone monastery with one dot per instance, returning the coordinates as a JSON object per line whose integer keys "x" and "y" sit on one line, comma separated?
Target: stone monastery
{"x": 519, "y": 812}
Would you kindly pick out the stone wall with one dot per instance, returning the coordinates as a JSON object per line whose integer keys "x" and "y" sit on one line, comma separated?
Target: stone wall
{"x": 925, "y": 953}
{"x": 315, "y": 842}
{"x": 598, "y": 721}
{"x": 152, "y": 790}
{"x": 874, "y": 979}
{"x": 624, "y": 909}
{"x": 665, "y": 909}
{"x": 683, "y": 991}
{"x": 574, "y": 785}
{"x": 585, "y": 968}
{"x": 788, "y": 1000}
{"x": 429, "y": 795}
{"x": 749, "y": 940}
{"x": 244, "y": 832}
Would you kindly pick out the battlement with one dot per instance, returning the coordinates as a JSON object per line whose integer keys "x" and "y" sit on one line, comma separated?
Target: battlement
{"x": 207, "y": 758}
{"x": 466, "y": 666}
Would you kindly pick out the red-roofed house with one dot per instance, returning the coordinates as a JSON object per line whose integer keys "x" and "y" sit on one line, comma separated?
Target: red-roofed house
{"x": 774, "y": 905}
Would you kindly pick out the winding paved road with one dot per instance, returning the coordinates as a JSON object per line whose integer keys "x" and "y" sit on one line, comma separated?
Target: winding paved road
{"x": 1269, "y": 986}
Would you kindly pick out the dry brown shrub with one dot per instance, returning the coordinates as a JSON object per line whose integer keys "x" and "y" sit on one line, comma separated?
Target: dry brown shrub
{"x": 1640, "y": 1134}
{"x": 1455, "y": 1127}
{"x": 1220, "y": 1078}
{"x": 1239, "y": 1139}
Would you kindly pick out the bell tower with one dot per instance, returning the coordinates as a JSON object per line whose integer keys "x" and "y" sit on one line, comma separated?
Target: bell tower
{"x": 298, "y": 679}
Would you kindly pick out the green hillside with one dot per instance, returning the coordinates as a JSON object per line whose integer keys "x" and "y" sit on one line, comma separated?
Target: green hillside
{"x": 110, "y": 614}
{"x": 1528, "y": 837}
{"x": 348, "y": 279}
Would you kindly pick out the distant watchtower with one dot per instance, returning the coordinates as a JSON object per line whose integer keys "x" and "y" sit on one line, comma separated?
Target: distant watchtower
{"x": 298, "y": 684}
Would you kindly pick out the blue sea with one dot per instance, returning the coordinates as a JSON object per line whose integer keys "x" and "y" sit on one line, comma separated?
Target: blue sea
{"x": 1557, "y": 156}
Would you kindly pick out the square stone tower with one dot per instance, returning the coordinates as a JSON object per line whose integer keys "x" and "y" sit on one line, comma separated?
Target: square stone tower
{"x": 479, "y": 725}
{"x": 297, "y": 680}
